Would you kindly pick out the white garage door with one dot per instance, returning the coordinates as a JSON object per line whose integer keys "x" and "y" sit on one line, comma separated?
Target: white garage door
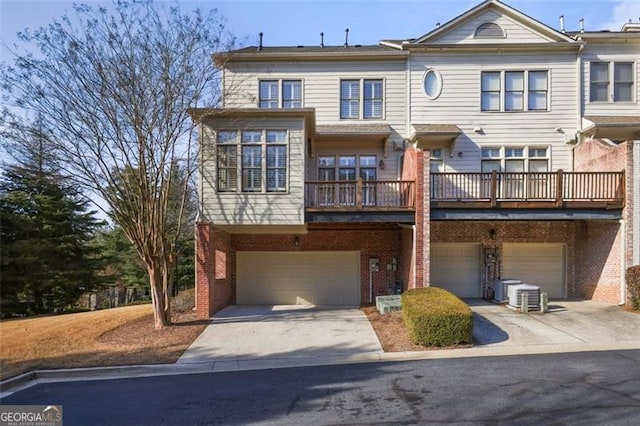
{"x": 456, "y": 267}
{"x": 538, "y": 264}
{"x": 298, "y": 278}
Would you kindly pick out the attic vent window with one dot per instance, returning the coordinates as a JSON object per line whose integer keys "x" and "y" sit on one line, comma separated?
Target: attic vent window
{"x": 489, "y": 30}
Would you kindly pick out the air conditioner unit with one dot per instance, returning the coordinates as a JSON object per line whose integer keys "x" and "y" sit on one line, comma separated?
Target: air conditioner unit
{"x": 500, "y": 289}
{"x": 533, "y": 296}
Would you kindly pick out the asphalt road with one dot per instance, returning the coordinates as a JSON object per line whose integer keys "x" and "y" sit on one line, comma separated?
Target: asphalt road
{"x": 593, "y": 388}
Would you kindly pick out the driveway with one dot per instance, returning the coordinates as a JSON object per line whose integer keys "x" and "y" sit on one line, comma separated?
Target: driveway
{"x": 283, "y": 334}
{"x": 569, "y": 324}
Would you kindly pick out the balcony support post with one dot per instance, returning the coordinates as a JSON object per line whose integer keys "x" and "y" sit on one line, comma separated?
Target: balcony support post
{"x": 359, "y": 193}
{"x": 559, "y": 188}
{"x": 494, "y": 189}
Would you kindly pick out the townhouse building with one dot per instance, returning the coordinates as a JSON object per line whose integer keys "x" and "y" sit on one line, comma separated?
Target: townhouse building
{"x": 492, "y": 146}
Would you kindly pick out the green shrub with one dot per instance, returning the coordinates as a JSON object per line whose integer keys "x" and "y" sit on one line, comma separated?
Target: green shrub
{"x": 435, "y": 317}
{"x": 632, "y": 278}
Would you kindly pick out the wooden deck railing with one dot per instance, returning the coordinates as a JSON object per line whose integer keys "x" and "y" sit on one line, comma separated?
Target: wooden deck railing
{"x": 528, "y": 190}
{"x": 360, "y": 195}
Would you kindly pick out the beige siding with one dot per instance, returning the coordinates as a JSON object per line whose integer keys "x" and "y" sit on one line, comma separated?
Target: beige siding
{"x": 610, "y": 53}
{"x": 226, "y": 208}
{"x": 459, "y": 103}
{"x": 321, "y": 86}
{"x": 515, "y": 32}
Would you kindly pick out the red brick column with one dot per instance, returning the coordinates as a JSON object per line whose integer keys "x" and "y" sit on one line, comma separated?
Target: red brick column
{"x": 422, "y": 219}
{"x": 205, "y": 269}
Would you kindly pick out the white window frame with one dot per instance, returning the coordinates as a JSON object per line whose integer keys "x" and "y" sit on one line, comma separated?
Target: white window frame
{"x": 611, "y": 81}
{"x": 526, "y": 91}
{"x": 264, "y": 145}
{"x": 280, "y": 82}
{"x": 361, "y": 98}
{"x": 505, "y": 153}
{"x": 357, "y": 164}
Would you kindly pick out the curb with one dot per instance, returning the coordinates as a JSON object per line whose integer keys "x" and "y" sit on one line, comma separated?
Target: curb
{"x": 31, "y": 378}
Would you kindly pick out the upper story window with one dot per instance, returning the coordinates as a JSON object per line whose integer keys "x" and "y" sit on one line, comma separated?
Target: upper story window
{"x": 604, "y": 88}
{"x": 347, "y": 167}
{"x": 261, "y": 163}
{"x": 361, "y": 99}
{"x": 270, "y": 90}
{"x": 514, "y": 91}
{"x": 489, "y": 30}
{"x": 432, "y": 83}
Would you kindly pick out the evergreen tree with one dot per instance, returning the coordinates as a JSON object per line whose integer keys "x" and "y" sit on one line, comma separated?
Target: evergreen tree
{"x": 45, "y": 233}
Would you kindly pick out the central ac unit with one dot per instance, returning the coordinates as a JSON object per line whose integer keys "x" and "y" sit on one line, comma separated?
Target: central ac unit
{"x": 500, "y": 289}
{"x": 533, "y": 296}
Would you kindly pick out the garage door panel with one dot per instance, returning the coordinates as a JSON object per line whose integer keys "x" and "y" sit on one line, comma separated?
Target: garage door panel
{"x": 541, "y": 264}
{"x": 456, "y": 267}
{"x": 318, "y": 278}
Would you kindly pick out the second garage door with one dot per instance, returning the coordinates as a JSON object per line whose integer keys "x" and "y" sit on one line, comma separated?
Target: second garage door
{"x": 298, "y": 278}
{"x": 539, "y": 264}
{"x": 456, "y": 267}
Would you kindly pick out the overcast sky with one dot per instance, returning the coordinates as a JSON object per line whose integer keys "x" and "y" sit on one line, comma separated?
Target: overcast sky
{"x": 299, "y": 22}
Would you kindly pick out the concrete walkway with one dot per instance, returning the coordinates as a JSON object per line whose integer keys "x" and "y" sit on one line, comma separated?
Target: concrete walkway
{"x": 276, "y": 335}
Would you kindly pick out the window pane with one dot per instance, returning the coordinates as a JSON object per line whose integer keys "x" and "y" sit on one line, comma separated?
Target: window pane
{"x": 491, "y": 101}
{"x": 226, "y": 136}
{"x": 347, "y": 161}
{"x": 514, "y": 81}
{"x": 347, "y": 174}
{"x": 537, "y": 152}
{"x": 327, "y": 174}
{"x": 537, "y": 80}
{"x": 490, "y": 166}
{"x": 367, "y": 160}
{"x": 251, "y": 156}
{"x": 251, "y": 136}
{"x": 372, "y": 99}
{"x": 268, "y": 94}
{"x": 623, "y": 92}
{"x": 538, "y": 166}
{"x": 514, "y": 101}
{"x": 514, "y": 152}
{"x": 491, "y": 81}
{"x": 350, "y": 99}
{"x": 251, "y": 168}
{"x": 292, "y": 94}
{"x": 599, "y": 92}
{"x": 599, "y": 71}
{"x": 623, "y": 72}
{"x": 227, "y": 168}
{"x": 537, "y": 100}
{"x": 436, "y": 153}
{"x": 514, "y": 166}
{"x": 276, "y": 168}
{"x": 276, "y": 136}
{"x": 490, "y": 152}
{"x": 368, "y": 173}
{"x": 327, "y": 161}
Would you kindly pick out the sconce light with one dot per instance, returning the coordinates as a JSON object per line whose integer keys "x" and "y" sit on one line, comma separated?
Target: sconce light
{"x": 477, "y": 129}
{"x": 296, "y": 241}
{"x": 558, "y": 129}
{"x": 381, "y": 164}
{"x": 493, "y": 233}
{"x": 460, "y": 154}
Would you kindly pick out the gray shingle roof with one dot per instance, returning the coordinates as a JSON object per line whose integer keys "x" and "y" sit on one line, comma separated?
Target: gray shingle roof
{"x": 435, "y": 128}
{"x": 603, "y": 120}
{"x": 353, "y": 129}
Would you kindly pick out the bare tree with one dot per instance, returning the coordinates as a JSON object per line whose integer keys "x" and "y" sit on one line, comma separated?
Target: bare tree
{"x": 111, "y": 87}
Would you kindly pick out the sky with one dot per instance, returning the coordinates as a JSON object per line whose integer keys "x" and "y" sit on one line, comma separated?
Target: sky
{"x": 300, "y": 22}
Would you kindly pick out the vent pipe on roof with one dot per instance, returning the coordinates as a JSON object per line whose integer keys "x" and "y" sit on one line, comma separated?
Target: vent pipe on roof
{"x": 321, "y": 39}
{"x": 581, "y": 25}
{"x": 437, "y": 24}
{"x": 260, "y": 42}
{"x": 346, "y": 37}
{"x": 562, "y": 23}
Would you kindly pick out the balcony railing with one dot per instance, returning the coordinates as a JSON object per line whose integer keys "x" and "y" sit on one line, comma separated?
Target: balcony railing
{"x": 360, "y": 195}
{"x": 528, "y": 190}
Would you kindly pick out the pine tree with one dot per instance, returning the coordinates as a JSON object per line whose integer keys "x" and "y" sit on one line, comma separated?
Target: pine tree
{"x": 46, "y": 228}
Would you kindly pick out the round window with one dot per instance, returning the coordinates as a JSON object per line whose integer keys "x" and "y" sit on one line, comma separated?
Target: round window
{"x": 432, "y": 83}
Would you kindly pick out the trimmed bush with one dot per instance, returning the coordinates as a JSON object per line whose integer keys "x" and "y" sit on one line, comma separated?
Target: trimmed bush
{"x": 632, "y": 277}
{"x": 184, "y": 301}
{"x": 435, "y": 317}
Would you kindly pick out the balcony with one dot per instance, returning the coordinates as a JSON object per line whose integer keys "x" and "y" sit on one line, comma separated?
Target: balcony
{"x": 359, "y": 195}
{"x": 560, "y": 190}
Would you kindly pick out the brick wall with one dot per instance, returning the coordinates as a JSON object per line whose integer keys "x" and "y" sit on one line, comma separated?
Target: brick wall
{"x": 598, "y": 155}
{"x": 380, "y": 241}
{"x": 423, "y": 213}
{"x": 214, "y": 288}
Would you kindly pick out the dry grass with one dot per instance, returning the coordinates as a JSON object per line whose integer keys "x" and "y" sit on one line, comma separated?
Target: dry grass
{"x": 101, "y": 338}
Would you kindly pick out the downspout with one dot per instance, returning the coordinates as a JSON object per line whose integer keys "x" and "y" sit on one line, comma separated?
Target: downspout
{"x": 413, "y": 254}
{"x": 623, "y": 266}
{"x": 580, "y": 100}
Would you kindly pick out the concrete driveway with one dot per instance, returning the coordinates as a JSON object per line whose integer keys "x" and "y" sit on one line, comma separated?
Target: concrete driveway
{"x": 570, "y": 325}
{"x": 279, "y": 335}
